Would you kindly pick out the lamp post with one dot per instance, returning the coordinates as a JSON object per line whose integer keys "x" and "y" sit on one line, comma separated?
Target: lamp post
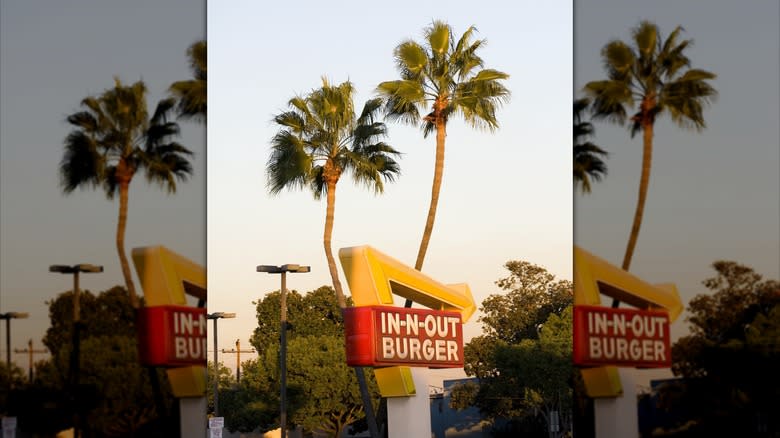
{"x": 283, "y": 270}
{"x": 215, "y": 316}
{"x": 74, "y": 357}
{"x": 8, "y": 317}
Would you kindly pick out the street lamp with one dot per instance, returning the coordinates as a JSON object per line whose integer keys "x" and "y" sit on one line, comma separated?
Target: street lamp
{"x": 8, "y": 317}
{"x": 215, "y": 316}
{"x": 74, "y": 357}
{"x": 284, "y": 269}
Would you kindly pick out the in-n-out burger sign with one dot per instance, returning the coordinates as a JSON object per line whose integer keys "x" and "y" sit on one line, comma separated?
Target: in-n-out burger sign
{"x": 622, "y": 337}
{"x": 172, "y": 335}
{"x": 378, "y": 336}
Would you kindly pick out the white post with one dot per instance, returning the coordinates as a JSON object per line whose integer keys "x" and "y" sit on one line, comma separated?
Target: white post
{"x": 192, "y": 416}
{"x": 617, "y": 417}
{"x": 411, "y": 416}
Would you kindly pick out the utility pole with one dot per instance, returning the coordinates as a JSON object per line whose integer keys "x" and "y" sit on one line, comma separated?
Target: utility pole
{"x": 29, "y": 350}
{"x": 237, "y": 351}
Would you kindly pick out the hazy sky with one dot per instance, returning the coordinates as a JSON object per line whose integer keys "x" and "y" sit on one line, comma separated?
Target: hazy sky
{"x": 505, "y": 195}
{"x": 52, "y": 55}
{"x": 713, "y": 195}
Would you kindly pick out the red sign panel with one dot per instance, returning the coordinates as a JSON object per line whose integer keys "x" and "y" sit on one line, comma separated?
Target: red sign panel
{"x": 379, "y": 336}
{"x": 172, "y": 335}
{"x": 621, "y": 337}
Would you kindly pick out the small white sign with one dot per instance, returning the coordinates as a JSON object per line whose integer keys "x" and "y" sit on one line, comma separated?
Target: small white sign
{"x": 215, "y": 433}
{"x": 216, "y": 423}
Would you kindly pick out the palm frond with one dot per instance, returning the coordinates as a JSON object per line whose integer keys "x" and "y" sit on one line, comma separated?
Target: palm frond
{"x": 191, "y": 94}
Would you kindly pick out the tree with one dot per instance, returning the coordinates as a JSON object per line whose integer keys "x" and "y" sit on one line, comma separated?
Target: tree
{"x": 651, "y": 78}
{"x": 326, "y": 397}
{"x": 523, "y": 361}
{"x": 315, "y": 314}
{"x": 531, "y": 294}
{"x": 729, "y": 360}
{"x": 191, "y": 94}
{"x": 320, "y": 139}
{"x": 116, "y": 395}
{"x": 113, "y": 138}
{"x": 253, "y": 403}
{"x": 588, "y": 164}
{"x": 449, "y": 78}
{"x": 321, "y": 388}
{"x": 224, "y": 378}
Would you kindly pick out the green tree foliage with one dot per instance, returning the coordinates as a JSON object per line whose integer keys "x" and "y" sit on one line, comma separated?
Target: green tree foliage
{"x": 523, "y": 360}
{"x": 323, "y": 394}
{"x": 730, "y": 359}
{"x": 119, "y": 397}
{"x": 252, "y": 404}
{"x": 588, "y": 164}
{"x": 442, "y": 78}
{"x": 191, "y": 94}
{"x": 112, "y": 139}
{"x": 225, "y": 381}
{"x": 314, "y": 314}
{"x": 325, "y": 391}
{"x": 651, "y": 78}
{"x": 530, "y": 295}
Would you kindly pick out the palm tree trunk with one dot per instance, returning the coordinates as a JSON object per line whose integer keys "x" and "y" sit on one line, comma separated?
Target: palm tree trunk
{"x": 437, "y": 177}
{"x": 644, "y": 183}
{"x": 326, "y": 241}
{"x": 334, "y": 275}
{"x": 124, "y": 188}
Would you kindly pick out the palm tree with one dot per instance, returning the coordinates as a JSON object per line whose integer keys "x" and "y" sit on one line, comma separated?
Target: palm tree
{"x": 113, "y": 138}
{"x": 650, "y": 79}
{"x": 439, "y": 79}
{"x": 587, "y": 163}
{"x": 191, "y": 94}
{"x": 319, "y": 140}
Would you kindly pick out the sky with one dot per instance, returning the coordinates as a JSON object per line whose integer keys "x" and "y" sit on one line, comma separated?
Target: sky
{"x": 505, "y": 195}
{"x": 713, "y": 195}
{"x": 52, "y": 55}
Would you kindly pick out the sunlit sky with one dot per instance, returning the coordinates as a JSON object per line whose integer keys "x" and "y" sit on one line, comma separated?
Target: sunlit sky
{"x": 52, "y": 55}
{"x": 505, "y": 196}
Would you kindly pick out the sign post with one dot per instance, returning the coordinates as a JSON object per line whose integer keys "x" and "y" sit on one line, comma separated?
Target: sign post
{"x": 401, "y": 342}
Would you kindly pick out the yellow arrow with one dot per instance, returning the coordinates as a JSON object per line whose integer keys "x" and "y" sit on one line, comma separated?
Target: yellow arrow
{"x": 373, "y": 278}
{"x": 166, "y": 278}
{"x": 594, "y": 277}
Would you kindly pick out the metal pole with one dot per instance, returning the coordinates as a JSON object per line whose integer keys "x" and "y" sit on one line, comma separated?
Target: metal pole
{"x": 216, "y": 373}
{"x": 283, "y": 356}
{"x": 75, "y": 354}
{"x": 30, "y": 362}
{"x": 238, "y": 360}
{"x": 8, "y": 343}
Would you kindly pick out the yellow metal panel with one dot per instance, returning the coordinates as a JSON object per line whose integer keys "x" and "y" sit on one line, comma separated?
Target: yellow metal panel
{"x": 395, "y": 381}
{"x": 373, "y": 278}
{"x": 602, "y": 382}
{"x": 166, "y": 278}
{"x": 188, "y": 381}
{"x": 594, "y": 276}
